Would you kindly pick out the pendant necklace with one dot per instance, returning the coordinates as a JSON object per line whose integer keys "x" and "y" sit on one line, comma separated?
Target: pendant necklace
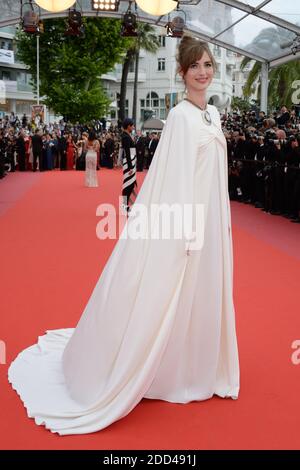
{"x": 205, "y": 113}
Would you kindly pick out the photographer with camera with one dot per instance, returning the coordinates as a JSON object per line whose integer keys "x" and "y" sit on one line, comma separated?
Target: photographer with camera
{"x": 259, "y": 177}
{"x": 292, "y": 186}
{"x": 272, "y": 172}
{"x": 279, "y": 157}
{"x": 2, "y": 155}
{"x": 245, "y": 151}
{"x": 263, "y": 160}
{"x": 283, "y": 117}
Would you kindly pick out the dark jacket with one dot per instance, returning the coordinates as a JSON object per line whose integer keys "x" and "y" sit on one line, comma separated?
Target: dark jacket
{"x": 127, "y": 144}
{"x": 37, "y": 143}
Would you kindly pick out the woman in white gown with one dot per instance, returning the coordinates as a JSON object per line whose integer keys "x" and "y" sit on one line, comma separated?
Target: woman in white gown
{"x": 92, "y": 147}
{"x": 160, "y": 322}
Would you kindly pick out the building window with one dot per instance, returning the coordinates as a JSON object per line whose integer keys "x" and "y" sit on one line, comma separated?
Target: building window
{"x": 218, "y": 71}
{"x": 155, "y": 107}
{"x": 162, "y": 113}
{"x": 6, "y": 45}
{"x": 22, "y": 77}
{"x": 228, "y": 70}
{"x": 217, "y": 50}
{"x": 233, "y": 89}
{"x": 162, "y": 41}
{"x": 22, "y": 107}
{"x": 161, "y": 64}
{"x": 6, "y": 75}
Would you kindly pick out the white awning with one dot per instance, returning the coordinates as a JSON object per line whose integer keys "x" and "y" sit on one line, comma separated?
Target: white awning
{"x": 154, "y": 124}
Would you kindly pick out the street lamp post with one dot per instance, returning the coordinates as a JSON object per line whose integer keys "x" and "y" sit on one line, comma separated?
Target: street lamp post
{"x": 38, "y": 67}
{"x": 150, "y": 86}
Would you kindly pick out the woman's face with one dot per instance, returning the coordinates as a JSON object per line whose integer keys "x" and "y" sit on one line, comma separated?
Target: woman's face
{"x": 199, "y": 74}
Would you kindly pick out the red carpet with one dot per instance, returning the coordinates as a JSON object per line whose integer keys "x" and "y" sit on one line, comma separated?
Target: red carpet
{"x": 50, "y": 262}
{"x": 13, "y": 188}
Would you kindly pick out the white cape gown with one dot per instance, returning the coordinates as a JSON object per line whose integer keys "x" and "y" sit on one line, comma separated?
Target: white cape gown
{"x": 159, "y": 324}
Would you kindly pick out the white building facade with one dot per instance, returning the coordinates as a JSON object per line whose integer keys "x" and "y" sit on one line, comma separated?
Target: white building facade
{"x": 157, "y": 78}
{"x": 16, "y": 94}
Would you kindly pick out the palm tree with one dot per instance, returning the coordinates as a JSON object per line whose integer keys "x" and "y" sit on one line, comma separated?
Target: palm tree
{"x": 125, "y": 70}
{"x": 281, "y": 77}
{"x": 147, "y": 40}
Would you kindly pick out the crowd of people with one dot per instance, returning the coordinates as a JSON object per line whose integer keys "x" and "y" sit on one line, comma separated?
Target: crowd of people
{"x": 263, "y": 154}
{"x": 264, "y": 160}
{"x": 25, "y": 147}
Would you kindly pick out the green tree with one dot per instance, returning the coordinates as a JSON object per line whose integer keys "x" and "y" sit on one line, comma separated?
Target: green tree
{"x": 147, "y": 40}
{"x": 240, "y": 104}
{"x": 281, "y": 79}
{"x": 71, "y": 67}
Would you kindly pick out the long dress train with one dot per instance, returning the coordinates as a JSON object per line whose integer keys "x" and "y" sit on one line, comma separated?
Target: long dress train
{"x": 160, "y": 323}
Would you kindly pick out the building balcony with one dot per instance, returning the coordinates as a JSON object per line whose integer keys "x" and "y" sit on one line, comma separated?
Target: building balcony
{"x": 13, "y": 86}
{"x": 10, "y": 86}
{"x": 130, "y": 79}
{"x": 110, "y": 76}
{"x": 13, "y": 89}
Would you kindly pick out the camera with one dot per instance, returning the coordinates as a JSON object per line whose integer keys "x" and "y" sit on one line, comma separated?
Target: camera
{"x": 271, "y": 137}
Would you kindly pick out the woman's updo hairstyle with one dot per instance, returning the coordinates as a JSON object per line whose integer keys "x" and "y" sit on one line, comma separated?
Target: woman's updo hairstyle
{"x": 189, "y": 51}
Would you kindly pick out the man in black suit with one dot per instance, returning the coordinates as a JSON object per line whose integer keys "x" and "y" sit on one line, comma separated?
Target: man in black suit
{"x": 62, "y": 151}
{"x": 10, "y": 151}
{"x": 108, "y": 150}
{"x": 152, "y": 147}
{"x": 37, "y": 150}
{"x": 140, "y": 151}
{"x": 21, "y": 151}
